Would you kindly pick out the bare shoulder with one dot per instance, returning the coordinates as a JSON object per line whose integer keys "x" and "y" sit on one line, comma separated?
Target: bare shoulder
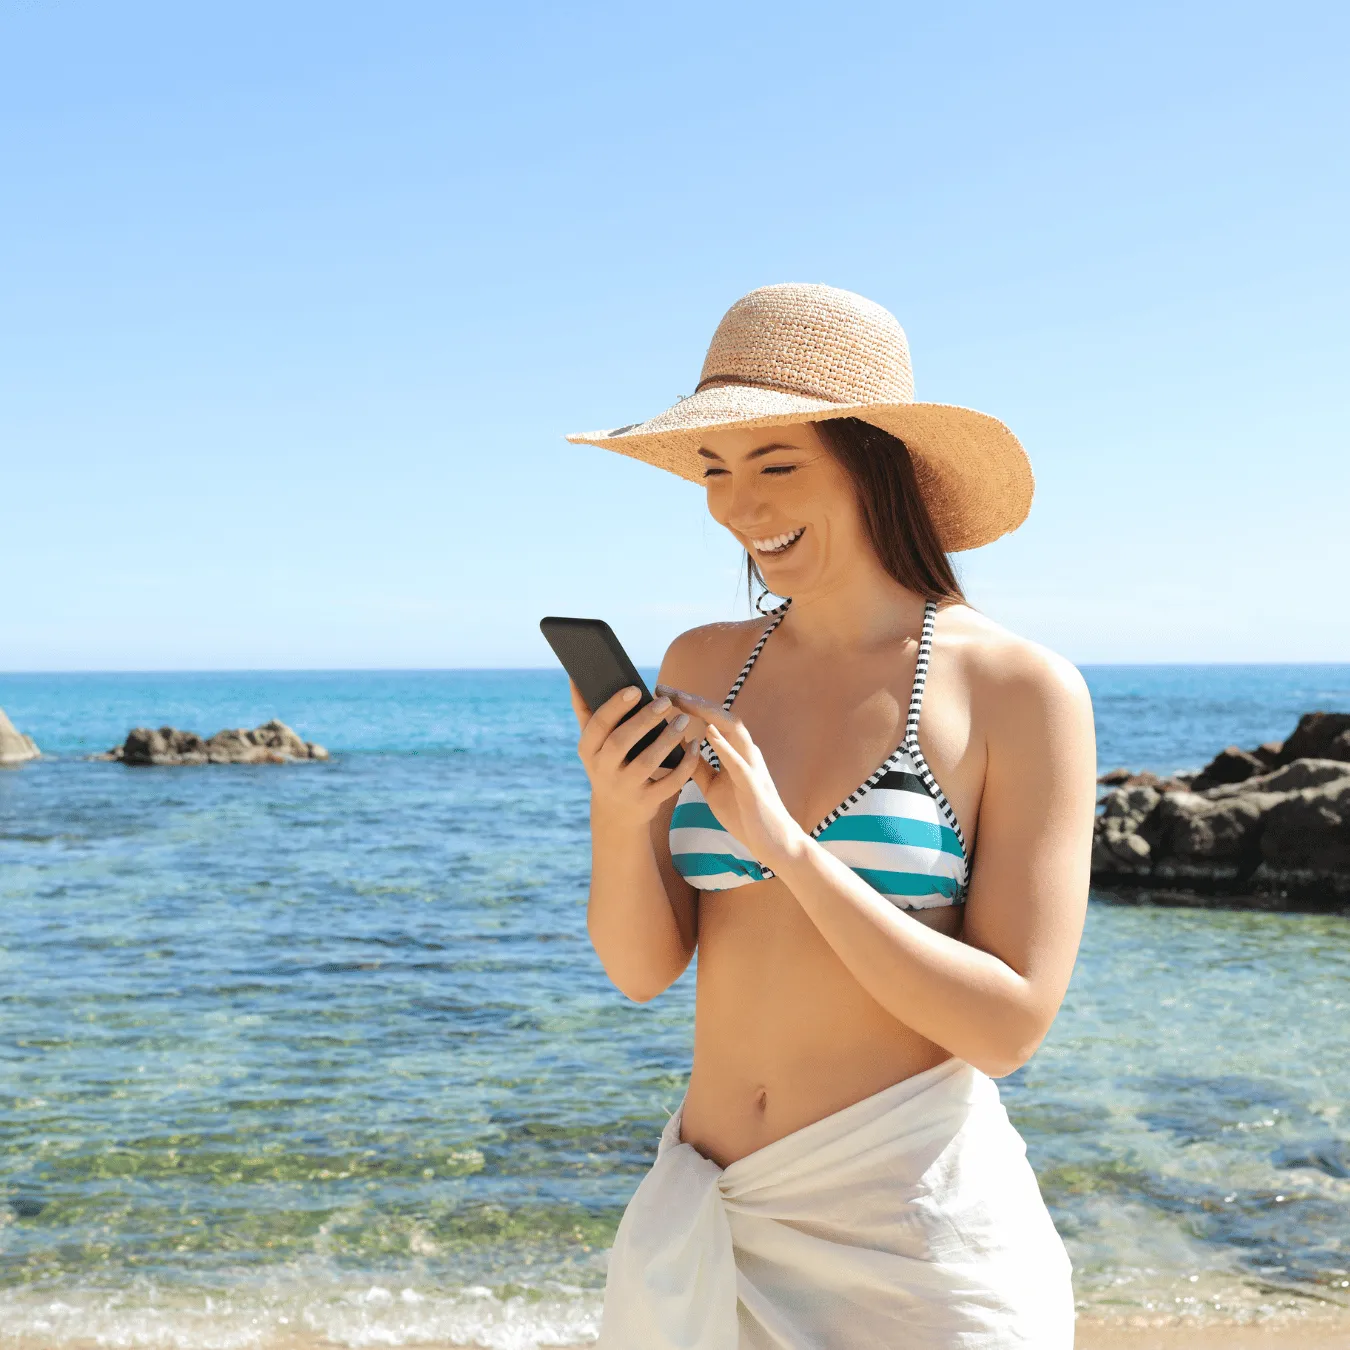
{"x": 706, "y": 660}
{"x": 1017, "y": 686}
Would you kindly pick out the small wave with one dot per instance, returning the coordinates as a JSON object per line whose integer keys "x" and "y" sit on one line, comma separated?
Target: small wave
{"x": 147, "y": 1318}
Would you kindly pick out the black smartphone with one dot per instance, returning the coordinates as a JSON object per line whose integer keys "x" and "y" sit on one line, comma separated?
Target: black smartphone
{"x": 599, "y": 667}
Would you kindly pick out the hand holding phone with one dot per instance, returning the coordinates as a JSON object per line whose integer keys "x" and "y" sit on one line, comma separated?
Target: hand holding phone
{"x": 595, "y": 659}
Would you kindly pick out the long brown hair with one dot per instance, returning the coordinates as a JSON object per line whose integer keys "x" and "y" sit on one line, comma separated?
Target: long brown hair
{"x": 895, "y": 515}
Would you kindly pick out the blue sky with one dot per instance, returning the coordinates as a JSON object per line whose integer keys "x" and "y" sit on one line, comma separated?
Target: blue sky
{"x": 299, "y": 300}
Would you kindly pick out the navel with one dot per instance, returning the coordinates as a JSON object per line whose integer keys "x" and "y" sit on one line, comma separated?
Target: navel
{"x": 761, "y": 1099}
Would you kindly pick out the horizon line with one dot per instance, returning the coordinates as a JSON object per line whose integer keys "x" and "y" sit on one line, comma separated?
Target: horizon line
{"x": 532, "y": 670}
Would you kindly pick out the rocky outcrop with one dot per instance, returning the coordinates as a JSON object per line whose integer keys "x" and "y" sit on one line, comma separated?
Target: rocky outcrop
{"x": 1177, "y": 782}
{"x": 15, "y": 747}
{"x": 272, "y": 743}
{"x": 1270, "y": 824}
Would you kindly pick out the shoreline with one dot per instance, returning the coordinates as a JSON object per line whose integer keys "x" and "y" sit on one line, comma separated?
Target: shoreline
{"x": 1316, "y": 1333}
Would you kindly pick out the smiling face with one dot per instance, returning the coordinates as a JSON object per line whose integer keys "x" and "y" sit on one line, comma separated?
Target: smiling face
{"x": 790, "y": 504}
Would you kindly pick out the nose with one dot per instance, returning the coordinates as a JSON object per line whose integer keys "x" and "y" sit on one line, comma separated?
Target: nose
{"x": 745, "y": 505}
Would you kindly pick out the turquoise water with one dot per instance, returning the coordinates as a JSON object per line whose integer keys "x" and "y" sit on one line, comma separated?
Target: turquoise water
{"x": 323, "y": 1048}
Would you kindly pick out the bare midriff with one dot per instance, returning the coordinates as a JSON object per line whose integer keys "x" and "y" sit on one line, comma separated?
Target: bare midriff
{"x": 783, "y": 1033}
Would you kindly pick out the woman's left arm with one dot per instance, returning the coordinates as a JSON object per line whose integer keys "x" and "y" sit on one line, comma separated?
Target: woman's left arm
{"x": 990, "y": 995}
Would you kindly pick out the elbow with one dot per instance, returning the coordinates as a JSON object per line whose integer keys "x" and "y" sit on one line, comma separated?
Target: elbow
{"x": 641, "y": 986}
{"x": 1001, "y": 1066}
{"x": 1007, "y": 1059}
{"x": 640, "y": 993}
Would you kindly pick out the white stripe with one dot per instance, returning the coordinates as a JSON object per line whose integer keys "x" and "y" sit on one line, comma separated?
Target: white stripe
{"x": 696, "y": 839}
{"x": 925, "y": 862}
{"x": 720, "y": 881}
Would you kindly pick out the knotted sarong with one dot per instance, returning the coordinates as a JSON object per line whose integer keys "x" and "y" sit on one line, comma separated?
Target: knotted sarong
{"x": 910, "y": 1220}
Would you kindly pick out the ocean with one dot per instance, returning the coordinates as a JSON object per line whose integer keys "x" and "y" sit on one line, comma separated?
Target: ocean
{"x": 322, "y": 1050}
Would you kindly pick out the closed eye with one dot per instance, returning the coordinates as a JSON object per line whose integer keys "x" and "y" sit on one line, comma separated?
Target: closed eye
{"x": 712, "y": 471}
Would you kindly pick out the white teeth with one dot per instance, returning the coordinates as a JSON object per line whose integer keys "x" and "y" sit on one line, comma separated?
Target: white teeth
{"x": 778, "y": 542}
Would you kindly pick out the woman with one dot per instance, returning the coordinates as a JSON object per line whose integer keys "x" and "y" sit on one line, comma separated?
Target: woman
{"x": 886, "y": 907}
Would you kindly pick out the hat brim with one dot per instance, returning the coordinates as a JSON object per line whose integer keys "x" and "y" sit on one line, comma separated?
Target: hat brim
{"x": 973, "y": 472}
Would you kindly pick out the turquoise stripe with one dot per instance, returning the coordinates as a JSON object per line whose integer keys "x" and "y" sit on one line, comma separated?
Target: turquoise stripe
{"x": 893, "y": 830}
{"x": 908, "y": 883}
{"x": 695, "y": 816}
{"x": 713, "y": 864}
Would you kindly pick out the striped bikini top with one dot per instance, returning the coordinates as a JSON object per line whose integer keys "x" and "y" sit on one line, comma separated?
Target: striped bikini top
{"x": 896, "y": 830}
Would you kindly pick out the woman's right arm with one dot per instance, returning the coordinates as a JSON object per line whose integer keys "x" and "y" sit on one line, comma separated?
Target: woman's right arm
{"x": 642, "y": 916}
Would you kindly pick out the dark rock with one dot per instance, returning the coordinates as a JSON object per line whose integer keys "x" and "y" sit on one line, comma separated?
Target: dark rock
{"x": 1267, "y": 828}
{"x": 1131, "y": 803}
{"x": 1310, "y": 828}
{"x": 168, "y": 745}
{"x": 1229, "y": 766}
{"x": 1121, "y": 840}
{"x": 1194, "y": 827}
{"x": 15, "y": 747}
{"x": 272, "y": 743}
{"x": 1319, "y": 735}
{"x": 1178, "y": 782}
{"x": 1302, "y": 773}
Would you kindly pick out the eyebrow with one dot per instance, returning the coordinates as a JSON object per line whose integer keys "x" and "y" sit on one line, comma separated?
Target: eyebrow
{"x": 754, "y": 454}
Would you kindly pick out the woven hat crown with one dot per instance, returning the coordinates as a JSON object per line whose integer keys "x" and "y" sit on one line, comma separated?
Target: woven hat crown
{"x": 816, "y": 341}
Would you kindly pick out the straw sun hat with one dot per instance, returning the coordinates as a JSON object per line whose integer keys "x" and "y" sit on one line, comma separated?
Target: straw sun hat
{"x": 786, "y": 354}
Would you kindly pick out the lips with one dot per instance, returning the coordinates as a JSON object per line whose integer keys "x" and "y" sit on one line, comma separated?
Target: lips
{"x": 777, "y": 544}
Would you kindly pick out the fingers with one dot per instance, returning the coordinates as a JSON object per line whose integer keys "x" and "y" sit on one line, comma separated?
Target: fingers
{"x": 681, "y": 729}
{"x": 622, "y": 739}
{"x": 694, "y": 704}
{"x": 673, "y": 780}
{"x": 605, "y": 718}
{"x": 714, "y": 714}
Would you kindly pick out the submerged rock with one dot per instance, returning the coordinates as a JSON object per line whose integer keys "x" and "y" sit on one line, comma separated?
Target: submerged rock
{"x": 1270, "y": 824}
{"x": 15, "y": 747}
{"x": 272, "y": 743}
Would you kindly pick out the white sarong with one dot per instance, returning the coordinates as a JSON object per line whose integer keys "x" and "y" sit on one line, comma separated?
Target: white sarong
{"x": 910, "y": 1220}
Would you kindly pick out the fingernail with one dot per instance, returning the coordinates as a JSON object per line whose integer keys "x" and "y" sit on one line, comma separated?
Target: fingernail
{"x": 660, "y": 704}
{"x": 681, "y": 722}
{"x": 630, "y": 695}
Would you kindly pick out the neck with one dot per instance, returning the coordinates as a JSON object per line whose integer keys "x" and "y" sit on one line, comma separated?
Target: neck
{"x": 861, "y": 611}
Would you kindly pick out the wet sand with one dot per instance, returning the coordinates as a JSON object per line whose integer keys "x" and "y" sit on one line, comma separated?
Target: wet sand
{"x": 1319, "y": 1335}
{"x": 1282, "y": 1336}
